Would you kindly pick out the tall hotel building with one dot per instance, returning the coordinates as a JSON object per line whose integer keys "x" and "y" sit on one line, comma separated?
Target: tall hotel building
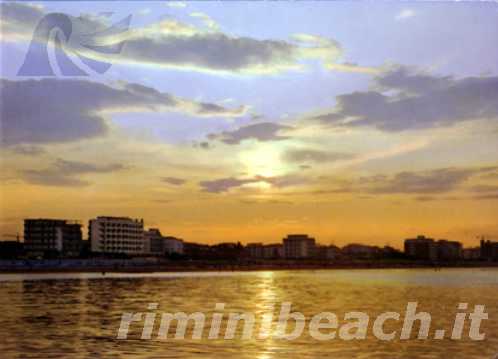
{"x": 118, "y": 235}
{"x": 44, "y": 236}
{"x": 299, "y": 246}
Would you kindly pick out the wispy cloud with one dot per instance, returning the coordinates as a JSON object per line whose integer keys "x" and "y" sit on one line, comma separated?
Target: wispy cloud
{"x": 426, "y": 183}
{"x": 263, "y": 132}
{"x": 67, "y": 173}
{"x": 315, "y": 156}
{"x": 436, "y": 181}
{"x": 27, "y": 150}
{"x": 145, "y": 11}
{"x": 177, "y": 4}
{"x": 405, "y": 14}
{"x": 483, "y": 188}
{"x": 175, "y": 181}
{"x": 225, "y": 184}
{"x": 206, "y": 19}
{"x": 350, "y": 67}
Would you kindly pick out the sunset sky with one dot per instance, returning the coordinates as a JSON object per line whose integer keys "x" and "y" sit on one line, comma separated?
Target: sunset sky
{"x": 352, "y": 122}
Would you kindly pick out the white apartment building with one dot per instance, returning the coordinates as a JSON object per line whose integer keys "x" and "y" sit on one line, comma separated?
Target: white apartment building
{"x": 118, "y": 235}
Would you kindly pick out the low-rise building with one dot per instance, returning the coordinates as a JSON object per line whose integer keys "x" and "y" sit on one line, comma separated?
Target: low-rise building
{"x": 329, "y": 252}
{"x": 471, "y": 254}
{"x": 489, "y": 250}
{"x": 361, "y": 251}
{"x": 197, "y": 250}
{"x": 227, "y": 251}
{"x": 389, "y": 252}
{"x": 153, "y": 242}
{"x": 449, "y": 250}
{"x": 273, "y": 251}
{"x": 264, "y": 251}
{"x": 11, "y": 249}
{"x": 255, "y": 250}
{"x": 173, "y": 245}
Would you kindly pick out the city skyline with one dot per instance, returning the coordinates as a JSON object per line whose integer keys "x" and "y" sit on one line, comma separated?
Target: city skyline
{"x": 358, "y": 131}
{"x": 145, "y": 230}
{"x": 126, "y": 237}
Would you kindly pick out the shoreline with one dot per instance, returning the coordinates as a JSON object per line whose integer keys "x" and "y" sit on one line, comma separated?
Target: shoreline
{"x": 240, "y": 267}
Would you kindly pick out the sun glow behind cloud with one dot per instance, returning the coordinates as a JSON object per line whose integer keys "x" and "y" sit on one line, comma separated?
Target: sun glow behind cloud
{"x": 264, "y": 160}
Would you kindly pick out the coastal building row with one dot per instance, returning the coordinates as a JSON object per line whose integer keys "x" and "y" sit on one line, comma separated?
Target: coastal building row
{"x": 301, "y": 246}
{"x": 294, "y": 246}
{"x": 106, "y": 235}
{"x": 126, "y": 236}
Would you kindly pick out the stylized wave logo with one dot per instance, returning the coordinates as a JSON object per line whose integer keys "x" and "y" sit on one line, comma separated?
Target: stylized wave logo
{"x": 71, "y": 35}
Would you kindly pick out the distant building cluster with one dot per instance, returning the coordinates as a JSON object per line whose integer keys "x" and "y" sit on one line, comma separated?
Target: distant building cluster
{"x": 123, "y": 237}
{"x": 301, "y": 246}
{"x": 107, "y": 236}
{"x": 428, "y": 249}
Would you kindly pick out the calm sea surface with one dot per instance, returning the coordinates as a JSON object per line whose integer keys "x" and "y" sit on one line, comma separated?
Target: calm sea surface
{"x": 78, "y": 315}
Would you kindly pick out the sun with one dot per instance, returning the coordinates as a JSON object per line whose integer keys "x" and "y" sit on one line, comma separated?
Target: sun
{"x": 263, "y": 160}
